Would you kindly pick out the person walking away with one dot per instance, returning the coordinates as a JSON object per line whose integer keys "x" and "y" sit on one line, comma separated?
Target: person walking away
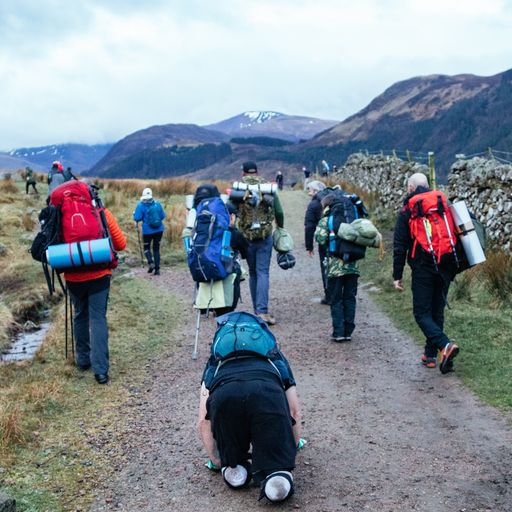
{"x": 431, "y": 276}
{"x": 307, "y": 174}
{"x": 57, "y": 176}
{"x": 89, "y": 290}
{"x": 255, "y": 222}
{"x": 313, "y": 215}
{"x": 279, "y": 180}
{"x": 30, "y": 180}
{"x": 249, "y": 400}
{"x": 342, "y": 280}
{"x": 151, "y": 213}
{"x": 325, "y": 169}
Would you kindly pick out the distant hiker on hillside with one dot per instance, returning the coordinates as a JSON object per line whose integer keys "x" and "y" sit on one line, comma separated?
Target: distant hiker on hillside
{"x": 325, "y": 169}
{"x": 249, "y": 400}
{"x": 341, "y": 277}
{"x": 313, "y": 215}
{"x": 279, "y": 180}
{"x": 57, "y": 175}
{"x": 428, "y": 252}
{"x": 151, "y": 213}
{"x": 307, "y": 174}
{"x": 30, "y": 180}
{"x": 257, "y": 213}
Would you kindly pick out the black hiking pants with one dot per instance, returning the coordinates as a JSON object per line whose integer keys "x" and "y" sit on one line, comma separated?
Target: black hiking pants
{"x": 429, "y": 293}
{"x": 153, "y": 257}
{"x": 342, "y": 292}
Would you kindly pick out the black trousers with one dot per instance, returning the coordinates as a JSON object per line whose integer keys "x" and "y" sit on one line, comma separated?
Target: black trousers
{"x": 253, "y": 412}
{"x": 429, "y": 293}
{"x": 342, "y": 297}
{"x": 154, "y": 257}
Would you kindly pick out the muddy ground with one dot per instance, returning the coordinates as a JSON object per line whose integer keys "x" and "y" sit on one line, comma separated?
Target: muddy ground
{"x": 384, "y": 433}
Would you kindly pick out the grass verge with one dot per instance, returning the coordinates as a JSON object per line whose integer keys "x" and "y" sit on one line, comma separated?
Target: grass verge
{"x": 60, "y": 433}
{"x": 479, "y": 324}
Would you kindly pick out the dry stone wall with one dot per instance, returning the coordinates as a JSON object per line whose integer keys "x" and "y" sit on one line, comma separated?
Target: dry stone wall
{"x": 485, "y": 185}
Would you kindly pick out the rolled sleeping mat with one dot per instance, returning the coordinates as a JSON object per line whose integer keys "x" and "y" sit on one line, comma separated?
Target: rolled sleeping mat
{"x": 467, "y": 233}
{"x": 264, "y": 188}
{"x": 191, "y": 218}
{"x": 189, "y": 201}
{"x": 79, "y": 254}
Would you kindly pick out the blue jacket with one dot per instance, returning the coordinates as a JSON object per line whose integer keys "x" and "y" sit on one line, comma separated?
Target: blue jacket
{"x": 140, "y": 214}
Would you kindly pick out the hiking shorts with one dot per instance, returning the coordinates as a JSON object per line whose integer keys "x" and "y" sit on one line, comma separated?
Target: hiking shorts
{"x": 253, "y": 412}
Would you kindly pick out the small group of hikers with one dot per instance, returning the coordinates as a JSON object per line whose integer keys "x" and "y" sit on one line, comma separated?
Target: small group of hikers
{"x": 249, "y": 413}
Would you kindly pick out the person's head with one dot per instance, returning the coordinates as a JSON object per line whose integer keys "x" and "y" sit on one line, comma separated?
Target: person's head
{"x": 249, "y": 168}
{"x": 204, "y": 192}
{"x": 147, "y": 194}
{"x": 416, "y": 180}
{"x": 279, "y": 172}
{"x": 314, "y": 187}
{"x": 57, "y": 165}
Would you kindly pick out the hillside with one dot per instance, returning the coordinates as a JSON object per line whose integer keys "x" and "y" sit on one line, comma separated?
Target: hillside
{"x": 77, "y": 156}
{"x": 444, "y": 114}
{"x": 272, "y": 124}
{"x": 129, "y": 156}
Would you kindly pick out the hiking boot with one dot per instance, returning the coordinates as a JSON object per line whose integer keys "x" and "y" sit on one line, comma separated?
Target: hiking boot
{"x": 101, "y": 378}
{"x": 429, "y": 362}
{"x": 338, "y": 339}
{"x": 157, "y": 272}
{"x": 151, "y": 268}
{"x": 83, "y": 367}
{"x": 267, "y": 317}
{"x": 446, "y": 356}
{"x": 325, "y": 301}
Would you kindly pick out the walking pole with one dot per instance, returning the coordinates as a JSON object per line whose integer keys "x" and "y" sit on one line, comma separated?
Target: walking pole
{"x": 194, "y": 352}
{"x": 140, "y": 246}
{"x": 66, "y": 321}
{"x": 72, "y": 328}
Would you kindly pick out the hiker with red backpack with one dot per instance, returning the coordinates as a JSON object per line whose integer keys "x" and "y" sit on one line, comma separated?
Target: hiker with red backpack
{"x": 80, "y": 237}
{"x": 425, "y": 237}
{"x": 151, "y": 213}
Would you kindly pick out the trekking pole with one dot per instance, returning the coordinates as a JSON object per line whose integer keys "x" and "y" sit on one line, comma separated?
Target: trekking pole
{"x": 66, "y": 322}
{"x": 194, "y": 352}
{"x": 72, "y": 328}
{"x": 140, "y": 246}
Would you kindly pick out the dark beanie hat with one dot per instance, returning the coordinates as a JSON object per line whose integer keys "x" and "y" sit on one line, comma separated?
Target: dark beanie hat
{"x": 249, "y": 167}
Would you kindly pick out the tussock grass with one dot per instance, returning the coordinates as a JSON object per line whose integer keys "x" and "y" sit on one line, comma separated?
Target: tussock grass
{"x": 11, "y": 429}
{"x": 8, "y": 186}
{"x": 497, "y": 274}
{"x": 175, "y": 222}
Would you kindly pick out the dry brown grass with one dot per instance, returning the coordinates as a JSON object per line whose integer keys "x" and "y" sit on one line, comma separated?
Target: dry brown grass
{"x": 28, "y": 222}
{"x": 7, "y": 186}
{"x": 11, "y": 425}
{"x": 497, "y": 273}
{"x": 175, "y": 222}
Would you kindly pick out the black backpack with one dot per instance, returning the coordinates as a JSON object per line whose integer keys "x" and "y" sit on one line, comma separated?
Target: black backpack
{"x": 345, "y": 209}
{"x": 49, "y": 234}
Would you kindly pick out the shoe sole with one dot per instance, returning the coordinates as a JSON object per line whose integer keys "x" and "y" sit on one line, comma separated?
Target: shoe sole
{"x": 445, "y": 365}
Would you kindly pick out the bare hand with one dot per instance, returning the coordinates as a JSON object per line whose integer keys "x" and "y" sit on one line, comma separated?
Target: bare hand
{"x": 399, "y": 285}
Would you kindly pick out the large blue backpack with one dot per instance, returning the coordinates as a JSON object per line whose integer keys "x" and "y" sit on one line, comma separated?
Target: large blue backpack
{"x": 242, "y": 334}
{"x": 207, "y": 260}
{"x": 153, "y": 218}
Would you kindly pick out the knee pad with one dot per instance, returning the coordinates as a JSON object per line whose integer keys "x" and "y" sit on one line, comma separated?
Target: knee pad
{"x": 236, "y": 477}
{"x": 278, "y": 486}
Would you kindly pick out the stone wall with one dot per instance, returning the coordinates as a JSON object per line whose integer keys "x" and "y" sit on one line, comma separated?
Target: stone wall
{"x": 485, "y": 185}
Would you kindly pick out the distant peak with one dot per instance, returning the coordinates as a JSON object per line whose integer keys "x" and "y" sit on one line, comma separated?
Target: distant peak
{"x": 257, "y": 116}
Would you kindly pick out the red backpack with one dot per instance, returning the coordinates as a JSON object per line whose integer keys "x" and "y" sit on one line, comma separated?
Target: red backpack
{"x": 431, "y": 225}
{"x": 82, "y": 217}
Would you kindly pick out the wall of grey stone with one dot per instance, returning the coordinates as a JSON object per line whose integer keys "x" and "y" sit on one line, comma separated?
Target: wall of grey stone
{"x": 385, "y": 176}
{"x": 485, "y": 185}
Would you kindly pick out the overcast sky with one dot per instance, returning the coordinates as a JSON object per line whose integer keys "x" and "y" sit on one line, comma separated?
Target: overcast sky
{"x": 93, "y": 71}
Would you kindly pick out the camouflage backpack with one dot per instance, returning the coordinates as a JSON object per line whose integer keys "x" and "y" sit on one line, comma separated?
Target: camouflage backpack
{"x": 256, "y": 220}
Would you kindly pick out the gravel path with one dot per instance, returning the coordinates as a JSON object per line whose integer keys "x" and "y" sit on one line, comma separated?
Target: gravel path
{"x": 384, "y": 433}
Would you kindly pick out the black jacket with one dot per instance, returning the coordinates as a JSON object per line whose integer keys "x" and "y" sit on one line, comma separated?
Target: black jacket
{"x": 313, "y": 215}
{"x": 403, "y": 242}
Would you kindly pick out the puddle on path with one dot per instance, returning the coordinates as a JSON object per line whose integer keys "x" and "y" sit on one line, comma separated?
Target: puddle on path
{"x": 25, "y": 344}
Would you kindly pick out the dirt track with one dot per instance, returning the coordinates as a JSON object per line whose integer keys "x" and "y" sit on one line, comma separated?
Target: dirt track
{"x": 384, "y": 433}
